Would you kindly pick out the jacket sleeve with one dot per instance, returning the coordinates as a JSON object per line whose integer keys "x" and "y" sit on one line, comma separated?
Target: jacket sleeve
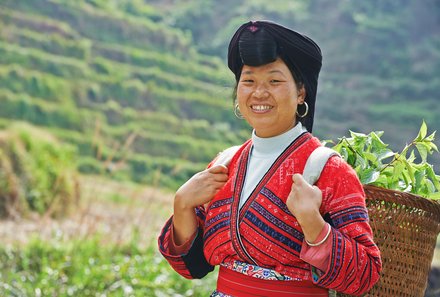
{"x": 355, "y": 262}
{"x": 192, "y": 262}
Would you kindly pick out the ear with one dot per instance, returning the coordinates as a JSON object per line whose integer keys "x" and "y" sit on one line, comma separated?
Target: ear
{"x": 301, "y": 95}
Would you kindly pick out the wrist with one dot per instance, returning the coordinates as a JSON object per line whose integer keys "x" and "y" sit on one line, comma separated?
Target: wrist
{"x": 181, "y": 203}
{"x": 312, "y": 228}
{"x": 310, "y": 218}
{"x": 322, "y": 237}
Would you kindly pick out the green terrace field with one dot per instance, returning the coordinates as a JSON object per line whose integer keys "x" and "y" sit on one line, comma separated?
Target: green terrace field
{"x": 122, "y": 88}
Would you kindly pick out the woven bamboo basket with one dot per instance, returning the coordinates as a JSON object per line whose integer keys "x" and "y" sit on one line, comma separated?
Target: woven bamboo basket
{"x": 405, "y": 228}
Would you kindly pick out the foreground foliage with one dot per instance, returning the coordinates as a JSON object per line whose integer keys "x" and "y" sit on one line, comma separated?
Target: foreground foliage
{"x": 87, "y": 267}
{"x": 407, "y": 171}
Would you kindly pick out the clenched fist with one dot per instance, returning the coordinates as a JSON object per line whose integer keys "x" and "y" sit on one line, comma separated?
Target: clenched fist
{"x": 304, "y": 202}
{"x": 202, "y": 187}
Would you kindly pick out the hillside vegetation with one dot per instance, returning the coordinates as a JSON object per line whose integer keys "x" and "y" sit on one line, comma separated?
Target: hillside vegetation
{"x": 36, "y": 174}
{"x": 143, "y": 92}
{"x": 132, "y": 94}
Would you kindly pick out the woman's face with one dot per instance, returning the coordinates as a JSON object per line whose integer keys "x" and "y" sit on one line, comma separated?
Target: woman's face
{"x": 268, "y": 97}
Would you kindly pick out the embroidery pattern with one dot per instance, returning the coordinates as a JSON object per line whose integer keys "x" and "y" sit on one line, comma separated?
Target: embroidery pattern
{"x": 255, "y": 271}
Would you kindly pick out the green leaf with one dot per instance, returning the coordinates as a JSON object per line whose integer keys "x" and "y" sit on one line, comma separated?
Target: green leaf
{"x": 381, "y": 181}
{"x": 399, "y": 166}
{"x": 376, "y": 141}
{"x": 434, "y": 196}
{"x": 344, "y": 154}
{"x": 373, "y": 159}
{"x": 431, "y": 137}
{"x": 423, "y": 151}
{"x": 368, "y": 176}
{"x": 385, "y": 154}
{"x": 361, "y": 162}
{"x": 433, "y": 177}
{"x": 422, "y": 132}
{"x": 357, "y": 135}
{"x": 412, "y": 157}
{"x": 429, "y": 186}
{"x": 432, "y": 145}
{"x": 410, "y": 171}
{"x": 420, "y": 182}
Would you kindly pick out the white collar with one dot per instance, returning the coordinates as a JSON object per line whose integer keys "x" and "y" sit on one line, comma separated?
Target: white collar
{"x": 276, "y": 144}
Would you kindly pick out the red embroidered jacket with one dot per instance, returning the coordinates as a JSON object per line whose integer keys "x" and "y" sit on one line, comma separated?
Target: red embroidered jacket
{"x": 264, "y": 233}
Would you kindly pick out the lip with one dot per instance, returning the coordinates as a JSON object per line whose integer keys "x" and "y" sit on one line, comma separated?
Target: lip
{"x": 261, "y": 108}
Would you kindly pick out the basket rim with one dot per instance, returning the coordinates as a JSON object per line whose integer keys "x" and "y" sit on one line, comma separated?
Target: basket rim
{"x": 404, "y": 198}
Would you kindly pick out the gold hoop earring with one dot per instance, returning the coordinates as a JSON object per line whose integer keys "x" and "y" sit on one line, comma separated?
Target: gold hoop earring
{"x": 237, "y": 112}
{"x": 305, "y": 112}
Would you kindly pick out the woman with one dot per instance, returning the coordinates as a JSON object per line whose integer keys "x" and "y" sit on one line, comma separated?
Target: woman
{"x": 271, "y": 232}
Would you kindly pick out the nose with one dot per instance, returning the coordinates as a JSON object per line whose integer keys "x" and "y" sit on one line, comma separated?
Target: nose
{"x": 261, "y": 92}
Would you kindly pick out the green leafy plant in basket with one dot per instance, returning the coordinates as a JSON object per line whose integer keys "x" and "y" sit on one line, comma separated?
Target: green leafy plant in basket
{"x": 407, "y": 171}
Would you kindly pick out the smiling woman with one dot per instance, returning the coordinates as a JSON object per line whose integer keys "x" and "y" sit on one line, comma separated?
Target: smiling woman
{"x": 255, "y": 215}
{"x": 268, "y": 98}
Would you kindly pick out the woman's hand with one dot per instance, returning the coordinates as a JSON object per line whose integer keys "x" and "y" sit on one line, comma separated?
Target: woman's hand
{"x": 198, "y": 190}
{"x": 304, "y": 202}
{"x": 201, "y": 188}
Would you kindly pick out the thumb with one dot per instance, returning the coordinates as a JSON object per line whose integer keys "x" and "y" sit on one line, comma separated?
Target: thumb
{"x": 298, "y": 179}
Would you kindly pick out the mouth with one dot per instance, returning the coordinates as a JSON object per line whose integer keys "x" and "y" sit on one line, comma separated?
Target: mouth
{"x": 261, "y": 108}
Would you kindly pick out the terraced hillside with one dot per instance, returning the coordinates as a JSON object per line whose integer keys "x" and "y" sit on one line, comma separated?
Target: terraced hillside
{"x": 132, "y": 94}
{"x": 126, "y": 81}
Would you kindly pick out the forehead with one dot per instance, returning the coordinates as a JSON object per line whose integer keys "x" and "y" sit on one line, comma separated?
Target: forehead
{"x": 277, "y": 66}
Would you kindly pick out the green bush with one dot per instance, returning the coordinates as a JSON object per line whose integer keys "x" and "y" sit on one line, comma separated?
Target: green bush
{"x": 37, "y": 173}
{"x": 87, "y": 267}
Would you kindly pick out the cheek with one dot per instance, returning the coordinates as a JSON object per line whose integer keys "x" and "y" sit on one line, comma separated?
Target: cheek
{"x": 243, "y": 93}
{"x": 289, "y": 106}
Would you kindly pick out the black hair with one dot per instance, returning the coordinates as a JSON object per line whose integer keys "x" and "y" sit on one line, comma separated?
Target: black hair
{"x": 257, "y": 47}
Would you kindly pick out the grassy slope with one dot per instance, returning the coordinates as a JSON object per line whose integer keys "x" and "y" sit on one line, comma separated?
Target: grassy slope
{"x": 108, "y": 247}
{"x": 124, "y": 89}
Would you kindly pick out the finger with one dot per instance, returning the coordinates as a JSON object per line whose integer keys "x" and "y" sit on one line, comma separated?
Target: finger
{"x": 218, "y": 169}
{"x": 221, "y": 178}
{"x": 316, "y": 188}
{"x": 215, "y": 187}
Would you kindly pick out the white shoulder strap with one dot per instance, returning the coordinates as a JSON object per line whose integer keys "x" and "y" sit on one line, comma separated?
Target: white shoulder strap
{"x": 316, "y": 162}
{"x": 225, "y": 157}
{"x": 312, "y": 170}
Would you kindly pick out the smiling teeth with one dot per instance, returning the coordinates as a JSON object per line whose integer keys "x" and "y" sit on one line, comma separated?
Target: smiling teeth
{"x": 261, "y": 107}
